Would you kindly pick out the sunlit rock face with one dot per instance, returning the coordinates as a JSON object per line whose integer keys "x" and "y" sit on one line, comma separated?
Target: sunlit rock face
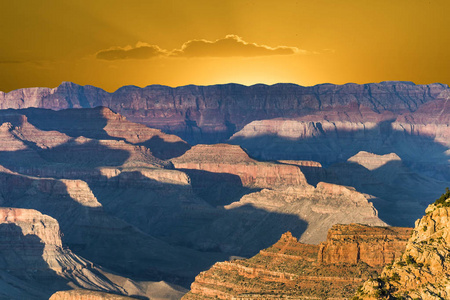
{"x": 293, "y": 270}
{"x": 422, "y": 271}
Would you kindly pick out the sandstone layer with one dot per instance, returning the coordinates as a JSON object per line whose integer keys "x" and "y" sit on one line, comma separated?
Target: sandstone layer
{"x": 292, "y": 270}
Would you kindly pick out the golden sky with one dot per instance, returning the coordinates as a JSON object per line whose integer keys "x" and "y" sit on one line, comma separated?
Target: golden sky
{"x": 111, "y": 43}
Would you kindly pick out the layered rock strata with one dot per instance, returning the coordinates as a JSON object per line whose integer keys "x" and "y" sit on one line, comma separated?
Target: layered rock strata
{"x": 376, "y": 246}
{"x": 230, "y": 159}
{"x": 292, "y": 270}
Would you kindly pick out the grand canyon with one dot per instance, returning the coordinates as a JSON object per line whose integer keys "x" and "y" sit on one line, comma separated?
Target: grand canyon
{"x": 225, "y": 191}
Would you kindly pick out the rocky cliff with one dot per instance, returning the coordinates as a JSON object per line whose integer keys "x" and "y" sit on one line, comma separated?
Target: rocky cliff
{"x": 292, "y": 270}
{"x": 230, "y": 159}
{"x": 422, "y": 272}
{"x": 213, "y": 113}
{"x": 376, "y": 246}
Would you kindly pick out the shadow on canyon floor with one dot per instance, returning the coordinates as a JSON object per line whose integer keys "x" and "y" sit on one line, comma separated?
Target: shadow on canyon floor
{"x": 218, "y": 189}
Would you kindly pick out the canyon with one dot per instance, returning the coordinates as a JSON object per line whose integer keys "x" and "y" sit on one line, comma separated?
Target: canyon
{"x": 145, "y": 188}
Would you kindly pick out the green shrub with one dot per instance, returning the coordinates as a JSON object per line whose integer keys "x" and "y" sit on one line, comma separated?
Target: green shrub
{"x": 441, "y": 201}
{"x": 410, "y": 260}
{"x": 401, "y": 263}
{"x": 395, "y": 277}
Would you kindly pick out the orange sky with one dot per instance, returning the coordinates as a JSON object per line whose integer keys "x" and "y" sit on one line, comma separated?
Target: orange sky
{"x": 111, "y": 43}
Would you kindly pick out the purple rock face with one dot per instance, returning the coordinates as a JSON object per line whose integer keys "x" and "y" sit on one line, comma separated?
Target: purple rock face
{"x": 208, "y": 114}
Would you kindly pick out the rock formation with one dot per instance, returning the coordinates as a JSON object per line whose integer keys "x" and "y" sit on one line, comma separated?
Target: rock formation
{"x": 422, "y": 272}
{"x": 230, "y": 159}
{"x": 292, "y": 270}
{"x": 86, "y": 295}
{"x": 376, "y": 246}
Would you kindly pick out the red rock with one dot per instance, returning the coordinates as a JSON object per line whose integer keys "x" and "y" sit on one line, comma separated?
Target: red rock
{"x": 230, "y": 159}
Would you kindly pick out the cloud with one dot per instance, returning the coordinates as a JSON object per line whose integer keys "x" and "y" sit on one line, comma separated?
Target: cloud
{"x": 13, "y": 61}
{"x": 230, "y": 46}
{"x": 140, "y": 51}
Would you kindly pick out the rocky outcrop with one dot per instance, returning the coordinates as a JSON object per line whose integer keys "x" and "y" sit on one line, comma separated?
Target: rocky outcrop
{"x": 422, "y": 272}
{"x": 213, "y": 113}
{"x": 230, "y": 159}
{"x": 86, "y": 295}
{"x": 292, "y": 270}
{"x": 98, "y": 230}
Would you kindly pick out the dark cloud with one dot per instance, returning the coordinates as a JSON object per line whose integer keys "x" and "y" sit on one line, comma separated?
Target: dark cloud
{"x": 141, "y": 51}
{"x": 231, "y": 45}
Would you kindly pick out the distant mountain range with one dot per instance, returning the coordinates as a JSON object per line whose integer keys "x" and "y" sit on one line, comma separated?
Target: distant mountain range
{"x": 211, "y": 114}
